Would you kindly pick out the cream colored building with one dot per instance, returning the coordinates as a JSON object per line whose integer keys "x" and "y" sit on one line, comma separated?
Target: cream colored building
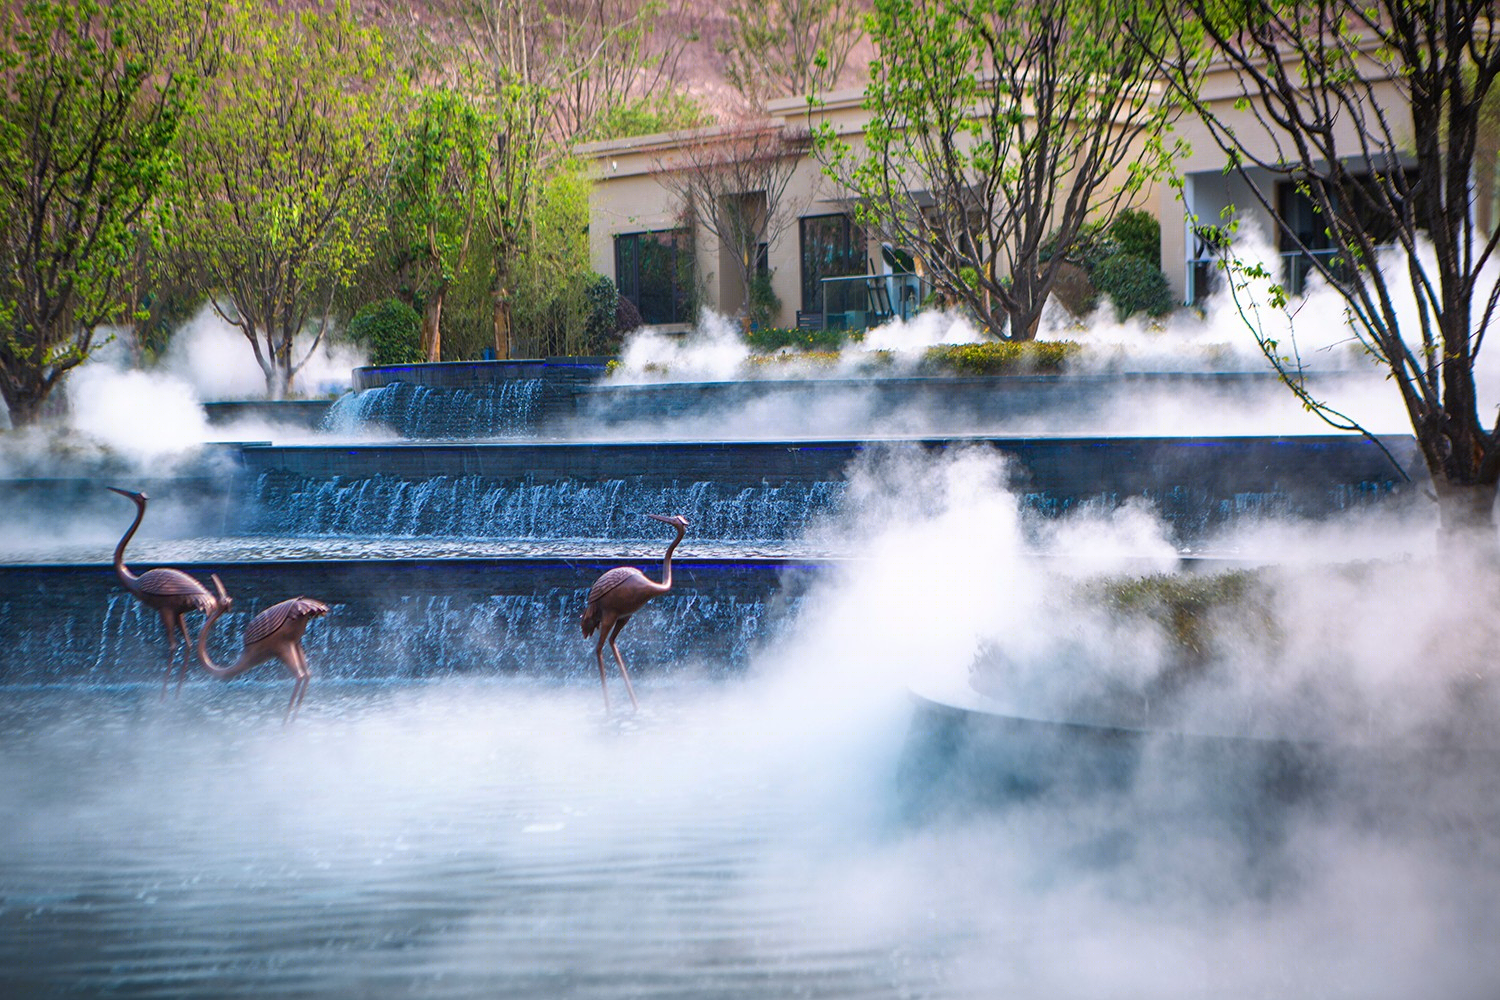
{"x": 633, "y": 215}
{"x": 824, "y": 269}
{"x": 1208, "y": 191}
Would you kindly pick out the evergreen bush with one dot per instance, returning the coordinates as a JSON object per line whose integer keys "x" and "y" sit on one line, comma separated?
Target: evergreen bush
{"x": 1137, "y": 233}
{"x": 390, "y": 330}
{"x": 768, "y": 339}
{"x": 1134, "y": 284}
{"x": 764, "y": 303}
{"x": 599, "y": 328}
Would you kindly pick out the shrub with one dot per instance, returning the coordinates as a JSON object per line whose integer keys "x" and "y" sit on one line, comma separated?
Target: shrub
{"x": 1131, "y": 231}
{"x": 1090, "y": 245}
{"x": 390, "y": 330}
{"x": 764, "y": 303}
{"x": 627, "y": 316}
{"x": 820, "y": 359}
{"x": 1134, "y": 284}
{"x": 1193, "y": 610}
{"x": 769, "y": 339}
{"x": 999, "y": 357}
{"x": 1137, "y": 233}
{"x": 599, "y": 327}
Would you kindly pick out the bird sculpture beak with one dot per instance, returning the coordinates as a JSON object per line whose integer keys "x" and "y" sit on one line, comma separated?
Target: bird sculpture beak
{"x": 673, "y": 520}
{"x": 128, "y": 494}
{"x": 224, "y": 599}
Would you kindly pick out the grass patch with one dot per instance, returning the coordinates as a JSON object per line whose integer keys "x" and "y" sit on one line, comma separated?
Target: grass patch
{"x": 1191, "y": 609}
{"x": 1000, "y": 357}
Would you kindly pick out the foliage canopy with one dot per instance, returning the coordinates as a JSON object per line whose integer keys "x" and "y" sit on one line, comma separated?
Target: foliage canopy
{"x": 92, "y": 98}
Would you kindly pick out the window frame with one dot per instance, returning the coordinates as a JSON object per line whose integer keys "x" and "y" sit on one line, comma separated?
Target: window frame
{"x": 665, "y": 305}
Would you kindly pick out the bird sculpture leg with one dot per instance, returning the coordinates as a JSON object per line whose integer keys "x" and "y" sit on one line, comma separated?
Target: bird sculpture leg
{"x": 623, "y": 672}
{"x": 603, "y": 679}
{"x": 187, "y": 649}
{"x": 297, "y": 664}
{"x": 169, "y": 625}
{"x": 605, "y": 625}
{"x": 306, "y": 674}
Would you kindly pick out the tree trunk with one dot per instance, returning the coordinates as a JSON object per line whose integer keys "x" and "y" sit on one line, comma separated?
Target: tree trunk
{"x": 24, "y": 403}
{"x": 279, "y": 374}
{"x": 1466, "y": 513}
{"x": 501, "y": 319}
{"x": 432, "y": 315}
{"x": 1023, "y": 324}
{"x": 276, "y": 383}
{"x": 1028, "y": 295}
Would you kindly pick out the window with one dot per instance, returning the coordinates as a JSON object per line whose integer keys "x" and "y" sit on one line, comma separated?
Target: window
{"x": 655, "y": 271}
{"x": 1305, "y": 219}
{"x": 1209, "y": 243}
{"x": 832, "y": 247}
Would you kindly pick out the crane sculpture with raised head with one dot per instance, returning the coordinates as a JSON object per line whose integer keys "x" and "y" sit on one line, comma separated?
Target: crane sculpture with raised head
{"x": 170, "y": 592}
{"x": 275, "y": 633}
{"x": 620, "y": 593}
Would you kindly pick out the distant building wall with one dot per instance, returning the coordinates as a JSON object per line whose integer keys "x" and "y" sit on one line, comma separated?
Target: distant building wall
{"x": 628, "y": 197}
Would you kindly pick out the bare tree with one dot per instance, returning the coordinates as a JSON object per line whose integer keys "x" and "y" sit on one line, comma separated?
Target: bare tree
{"x": 733, "y": 182}
{"x": 789, "y": 48}
{"x": 614, "y": 58}
{"x": 995, "y": 129}
{"x": 548, "y": 72}
{"x": 1375, "y": 112}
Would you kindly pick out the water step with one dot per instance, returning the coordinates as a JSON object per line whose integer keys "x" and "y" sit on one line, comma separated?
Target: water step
{"x": 774, "y": 489}
{"x": 402, "y": 618}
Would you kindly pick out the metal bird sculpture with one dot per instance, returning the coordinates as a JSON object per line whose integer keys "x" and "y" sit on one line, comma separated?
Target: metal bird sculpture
{"x": 275, "y": 633}
{"x": 620, "y": 593}
{"x": 170, "y": 592}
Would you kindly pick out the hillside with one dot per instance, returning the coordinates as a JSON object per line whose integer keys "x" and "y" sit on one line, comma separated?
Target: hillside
{"x": 701, "y": 25}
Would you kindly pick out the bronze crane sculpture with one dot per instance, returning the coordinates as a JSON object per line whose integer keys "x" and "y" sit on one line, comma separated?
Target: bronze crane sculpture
{"x": 170, "y": 592}
{"x": 620, "y": 593}
{"x": 275, "y": 633}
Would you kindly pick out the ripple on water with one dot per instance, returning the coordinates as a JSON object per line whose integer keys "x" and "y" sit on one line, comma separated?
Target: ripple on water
{"x": 456, "y": 840}
{"x": 735, "y": 840}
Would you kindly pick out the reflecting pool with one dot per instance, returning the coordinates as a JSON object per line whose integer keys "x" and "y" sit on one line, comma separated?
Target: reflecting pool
{"x": 505, "y": 838}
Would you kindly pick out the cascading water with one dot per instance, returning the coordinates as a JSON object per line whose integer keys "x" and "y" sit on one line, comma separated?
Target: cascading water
{"x": 509, "y": 408}
{"x": 497, "y": 834}
{"x": 534, "y": 635}
{"x": 473, "y": 506}
{"x": 404, "y": 619}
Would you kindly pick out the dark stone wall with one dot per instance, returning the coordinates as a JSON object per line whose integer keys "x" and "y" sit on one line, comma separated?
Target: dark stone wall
{"x": 563, "y": 382}
{"x": 557, "y": 490}
{"x": 952, "y": 398}
{"x": 294, "y": 412}
{"x": 736, "y": 462}
{"x": 572, "y": 388}
{"x": 402, "y": 618}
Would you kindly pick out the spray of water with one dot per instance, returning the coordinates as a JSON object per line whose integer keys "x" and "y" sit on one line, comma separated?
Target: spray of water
{"x": 217, "y": 360}
{"x": 1315, "y": 331}
{"x": 748, "y": 835}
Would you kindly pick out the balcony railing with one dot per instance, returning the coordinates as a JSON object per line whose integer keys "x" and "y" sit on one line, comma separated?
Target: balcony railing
{"x": 860, "y": 301}
{"x": 1204, "y": 272}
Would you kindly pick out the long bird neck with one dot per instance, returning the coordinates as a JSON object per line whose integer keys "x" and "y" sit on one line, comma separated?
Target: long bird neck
{"x": 666, "y": 564}
{"x": 208, "y": 664}
{"x": 121, "y": 570}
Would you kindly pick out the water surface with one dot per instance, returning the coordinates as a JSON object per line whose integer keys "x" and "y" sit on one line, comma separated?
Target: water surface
{"x": 735, "y": 839}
